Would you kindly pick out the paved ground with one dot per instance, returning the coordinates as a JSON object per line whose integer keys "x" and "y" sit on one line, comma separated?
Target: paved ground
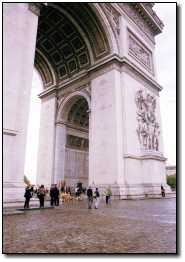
{"x": 127, "y": 226}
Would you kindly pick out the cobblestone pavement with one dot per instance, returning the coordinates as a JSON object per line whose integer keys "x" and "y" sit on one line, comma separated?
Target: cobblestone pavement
{"x": 126, "y": 226}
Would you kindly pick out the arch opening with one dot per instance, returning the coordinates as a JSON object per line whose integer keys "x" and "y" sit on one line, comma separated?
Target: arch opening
{"x": 77, "y": 143}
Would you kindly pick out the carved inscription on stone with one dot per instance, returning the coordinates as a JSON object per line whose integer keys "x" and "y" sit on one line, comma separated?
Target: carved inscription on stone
{"x": 148, "y": 129}
{"x": 139, "y": 52}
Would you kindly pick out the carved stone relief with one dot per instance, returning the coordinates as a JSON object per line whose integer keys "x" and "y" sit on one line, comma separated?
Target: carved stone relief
{"x": 114, "y": 19}
{"x": 129, "y": 9}
{"x": 140, "y": 53}
{"x": 77, "y": 142}
{"x": 148, "y": 129}
{"x": 113, "y": 16}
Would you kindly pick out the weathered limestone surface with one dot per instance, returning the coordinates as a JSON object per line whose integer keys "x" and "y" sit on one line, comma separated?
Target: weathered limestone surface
{"x": 19, "y": 38}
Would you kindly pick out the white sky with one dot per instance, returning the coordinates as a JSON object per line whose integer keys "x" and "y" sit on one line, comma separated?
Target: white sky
{"x": 166, "y": 74}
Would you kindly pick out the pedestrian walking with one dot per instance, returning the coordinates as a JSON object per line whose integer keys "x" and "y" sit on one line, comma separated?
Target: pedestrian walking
{"x": 97, "y": 198}
{"x": 41, "y": 194}
{"x": 28, "y": 196}
{"x": 89, "y": 197}
{"x": 162, "y": 191}
{"x": 108, "y": 194}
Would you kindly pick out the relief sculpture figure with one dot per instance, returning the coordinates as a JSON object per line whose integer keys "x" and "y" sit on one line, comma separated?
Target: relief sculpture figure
{"x": 148, "y": 129}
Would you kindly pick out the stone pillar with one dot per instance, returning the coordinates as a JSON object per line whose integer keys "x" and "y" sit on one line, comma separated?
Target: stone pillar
{"x": 106, "y": 132}
{"x": 19, "y": 39}
{"x": 46, "y": 150}
{"x": 144, "y": 163}
{"x": 60, "y": 143}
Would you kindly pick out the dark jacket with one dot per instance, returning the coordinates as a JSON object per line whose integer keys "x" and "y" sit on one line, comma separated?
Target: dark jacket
{"x": 97, "y": 193}
{"x": 89, "y": 192}
{"x": 28, "y": 193}
{"x": 55, "y": 192}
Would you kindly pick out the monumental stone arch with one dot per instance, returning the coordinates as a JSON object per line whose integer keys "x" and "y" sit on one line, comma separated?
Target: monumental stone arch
{"x": 100, "y": 116}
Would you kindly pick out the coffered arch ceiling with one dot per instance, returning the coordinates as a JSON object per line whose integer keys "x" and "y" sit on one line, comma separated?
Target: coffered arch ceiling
{"x": 69, "y": 37}
{"x": 78, "y": 114}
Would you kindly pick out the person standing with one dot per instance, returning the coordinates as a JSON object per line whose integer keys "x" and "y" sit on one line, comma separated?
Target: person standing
{"x": 52, "y": 198}
{"x": 108, "y": 195}
{"x": 97, "y": 198}
{"x": 41, "y": 195}
{"x": 162, "y": 191}
{"x": 56, "y": 195}
{"x": 89, "y": 197}
{"x": 27, "y": 195}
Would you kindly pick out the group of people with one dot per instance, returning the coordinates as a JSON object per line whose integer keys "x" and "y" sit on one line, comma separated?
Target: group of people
{"x": 54, "y": 194}
{"x": 29, "y": 193}
{"x": 41, "y": 192}
{"x": 95, "y": 196}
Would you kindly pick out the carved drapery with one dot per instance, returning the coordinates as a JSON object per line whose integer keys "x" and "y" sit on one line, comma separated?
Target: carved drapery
{"x": 148, "y": 129}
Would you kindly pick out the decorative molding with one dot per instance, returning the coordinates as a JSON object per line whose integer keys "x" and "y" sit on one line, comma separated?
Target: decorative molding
{"x": 113, "y": 17}
{"x": 148, "y": 129}
{"x": 35, "y": 8}
{"x": 77, "y": 142}
{"x": 146, "y": 157}
{"x": 148, "y": 7}
{"x": 139, "y": 52}
{"x": 10, "y": 132}
{"x": 136, "y": 16}
{"x": 49, "y": 91}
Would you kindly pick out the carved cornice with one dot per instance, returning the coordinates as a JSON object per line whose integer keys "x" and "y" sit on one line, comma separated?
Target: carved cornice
{"x": 10, "y": 132}
{"x": 35, "y": 7}
{"x": 50, "y": 90}
{"x": 110, "y": 62}
{"x": 144, "y": 17}
{"x": 148, "y": 9}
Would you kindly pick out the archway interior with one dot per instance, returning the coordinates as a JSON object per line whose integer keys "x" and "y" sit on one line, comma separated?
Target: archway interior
{"x": 69, "y": 38}
{"x": 77, "y": 144}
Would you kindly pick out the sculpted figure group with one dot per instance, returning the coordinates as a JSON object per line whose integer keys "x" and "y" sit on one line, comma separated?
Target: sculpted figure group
{"x": 148, "y": 128}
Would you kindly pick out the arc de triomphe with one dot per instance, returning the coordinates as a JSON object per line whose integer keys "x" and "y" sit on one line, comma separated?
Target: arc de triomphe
{"x": 100, "y": 116}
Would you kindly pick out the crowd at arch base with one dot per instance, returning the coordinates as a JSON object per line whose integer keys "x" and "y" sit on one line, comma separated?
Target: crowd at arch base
{"x": 62, "y": 193}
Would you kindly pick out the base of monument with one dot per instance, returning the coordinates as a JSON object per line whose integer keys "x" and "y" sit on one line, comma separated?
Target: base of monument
{"x": 13, "y": 193}
{"x": 144, "y": 191}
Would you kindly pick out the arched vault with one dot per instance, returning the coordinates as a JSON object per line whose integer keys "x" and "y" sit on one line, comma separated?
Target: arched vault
{"x": 71, "y": 37}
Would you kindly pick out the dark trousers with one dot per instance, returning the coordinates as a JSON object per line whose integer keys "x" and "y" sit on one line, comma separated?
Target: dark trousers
{"x": 26, "y": 203}
{"x": 41, "y": 198}
{"x": 107, "y": 199}
{"x": 52, "y": 201}
{"x": 90, "y": 201}
{"x": 56, "y": 201}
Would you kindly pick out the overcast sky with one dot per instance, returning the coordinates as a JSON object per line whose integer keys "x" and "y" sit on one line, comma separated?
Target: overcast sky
{"x": 166, "y": 74}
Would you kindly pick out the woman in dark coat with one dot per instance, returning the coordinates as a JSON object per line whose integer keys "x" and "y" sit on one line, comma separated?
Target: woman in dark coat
{"x": 27, "y": 195}
{"x": 41, "y": 194}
